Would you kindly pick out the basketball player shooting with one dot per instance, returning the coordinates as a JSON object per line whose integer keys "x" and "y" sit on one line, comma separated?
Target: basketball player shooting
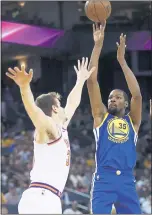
{"x": 51, "y": 143}
{"x": 116, "y": 137}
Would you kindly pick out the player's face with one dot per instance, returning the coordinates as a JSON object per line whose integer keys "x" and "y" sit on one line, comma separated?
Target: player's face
{"x": 60, "y": 111}
{"x": 116, "y": 102}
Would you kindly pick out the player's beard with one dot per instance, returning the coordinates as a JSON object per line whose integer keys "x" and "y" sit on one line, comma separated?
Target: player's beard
{"x": 113, "y": 111}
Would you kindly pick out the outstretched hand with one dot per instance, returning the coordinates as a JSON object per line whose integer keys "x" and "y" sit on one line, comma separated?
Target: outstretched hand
{"x": 121, "y": 48}
{"x": 20, "y": 76}
{"x": 82, "y": 70}
{"x": 98, "y": 33}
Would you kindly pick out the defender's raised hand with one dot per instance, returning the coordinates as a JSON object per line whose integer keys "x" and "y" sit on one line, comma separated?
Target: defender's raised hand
{"x": 98, "y": 33}
{"x": 20, "y": 76}
{"x": 121, "y": 48}
{"x": 82, "y": 70}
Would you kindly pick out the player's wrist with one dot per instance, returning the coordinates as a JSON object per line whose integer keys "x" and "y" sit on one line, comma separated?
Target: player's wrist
{"x": 122, "y": 61}
{"x": 24, "y": 86}
{"x": 80, "y": 81}
{"x": 98, "y": 44}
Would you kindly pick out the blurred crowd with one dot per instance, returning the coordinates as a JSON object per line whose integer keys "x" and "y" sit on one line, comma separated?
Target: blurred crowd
{"x": 17, "y": 156}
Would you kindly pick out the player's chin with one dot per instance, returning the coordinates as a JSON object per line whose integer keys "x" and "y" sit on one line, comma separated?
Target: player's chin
{"x": 112, "y": 110}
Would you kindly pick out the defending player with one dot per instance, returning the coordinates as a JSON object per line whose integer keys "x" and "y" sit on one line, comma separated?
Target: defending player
{"x": 116, "y": 136}
{"x": 51, "y": 143}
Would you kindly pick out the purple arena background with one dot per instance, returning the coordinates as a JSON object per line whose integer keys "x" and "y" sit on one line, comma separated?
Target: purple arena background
{"x": 29, "y": 35}
{"x": 140, "y": 40}
{"x": 45, "y": 37}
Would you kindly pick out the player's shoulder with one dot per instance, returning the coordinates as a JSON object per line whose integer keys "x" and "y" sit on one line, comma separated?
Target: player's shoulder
{"x": 134, "y": 126}
{"x": 129, "y": 118}
{"x": 99, "y": 121}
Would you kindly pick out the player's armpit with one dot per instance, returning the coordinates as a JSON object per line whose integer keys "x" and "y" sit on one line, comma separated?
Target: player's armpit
{"x": 98, "y": 108}
{"x": 136, "y": 111}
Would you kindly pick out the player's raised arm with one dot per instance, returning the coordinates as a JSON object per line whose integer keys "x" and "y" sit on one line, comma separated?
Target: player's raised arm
{"x": 136, "y": 100}
{"x": 23, "y": 79}
{"x": 98, "y": 108}
{"x": 74, "y": 97}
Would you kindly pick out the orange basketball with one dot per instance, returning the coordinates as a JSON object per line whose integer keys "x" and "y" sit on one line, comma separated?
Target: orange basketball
{"x": 98, "y": 10}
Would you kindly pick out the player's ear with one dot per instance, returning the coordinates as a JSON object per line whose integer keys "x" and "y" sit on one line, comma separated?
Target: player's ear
{"x": 126, "y": 104}
{"x": 54, "y": 108}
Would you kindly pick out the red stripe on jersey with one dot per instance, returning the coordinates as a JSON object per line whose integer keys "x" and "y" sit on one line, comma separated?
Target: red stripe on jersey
{"x": 55, "y": 141}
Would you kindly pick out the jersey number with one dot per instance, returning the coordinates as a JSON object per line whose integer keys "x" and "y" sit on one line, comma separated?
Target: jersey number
{"x": 68, "y": 158}
{"x": 122, "y": 126}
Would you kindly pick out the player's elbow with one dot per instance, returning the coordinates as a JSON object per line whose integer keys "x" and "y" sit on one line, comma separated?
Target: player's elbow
{"x": 137, "y": 96}
{"x": 136, "y": 93}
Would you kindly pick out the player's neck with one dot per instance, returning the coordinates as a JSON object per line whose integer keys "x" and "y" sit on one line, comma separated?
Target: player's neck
{"x": 56, "y": 119}
{"x": 120, "y": 114}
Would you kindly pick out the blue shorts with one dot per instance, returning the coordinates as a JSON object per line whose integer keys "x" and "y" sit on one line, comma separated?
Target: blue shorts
{"x": 114, "y": 187}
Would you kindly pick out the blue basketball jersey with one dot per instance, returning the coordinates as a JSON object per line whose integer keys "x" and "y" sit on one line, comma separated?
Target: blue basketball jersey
{"x": 115, "y": 143}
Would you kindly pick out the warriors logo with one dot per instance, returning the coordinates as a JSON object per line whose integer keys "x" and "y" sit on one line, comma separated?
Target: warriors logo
{"x": 118, "y": 130}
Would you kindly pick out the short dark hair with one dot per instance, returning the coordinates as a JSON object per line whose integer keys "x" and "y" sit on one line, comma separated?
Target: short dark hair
{"x": 45, "y": 101}
{"x": 124, "y": 94}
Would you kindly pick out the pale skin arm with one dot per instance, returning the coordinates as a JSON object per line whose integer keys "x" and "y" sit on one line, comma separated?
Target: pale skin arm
{"x": 136, "y": 100}
{"x": 37, "y": 116}
{"x": 74, "y": 97}
{"x": 98, "y": 108}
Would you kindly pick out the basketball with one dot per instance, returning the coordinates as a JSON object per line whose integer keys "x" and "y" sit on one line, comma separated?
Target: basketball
{"x": 98, "y": 10}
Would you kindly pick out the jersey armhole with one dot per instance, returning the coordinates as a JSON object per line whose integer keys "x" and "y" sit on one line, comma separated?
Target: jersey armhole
{"x": 55, "y": 141}
{"x": 132, "y": 124}
{"x": 105, "y": 117}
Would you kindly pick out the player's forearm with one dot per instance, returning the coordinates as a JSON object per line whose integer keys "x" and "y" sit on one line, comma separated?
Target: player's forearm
{"x": 74, "y": 97}
{"x": 27, "y": 98}
{"x": 130, "y": 79}
{"x": 94, "y": 60}
{"x": 96, "y": 103}
{"x": 93, "y": 85}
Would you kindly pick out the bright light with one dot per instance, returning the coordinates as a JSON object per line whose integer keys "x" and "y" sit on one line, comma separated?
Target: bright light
{"x": 21, "y": 4}
{"x": 20, "y": 57}
{"x": 23, "y": 62}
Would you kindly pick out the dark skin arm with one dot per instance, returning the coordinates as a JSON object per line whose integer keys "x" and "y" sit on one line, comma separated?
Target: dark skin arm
{"x": 136, "y": 100}
{"x": 97, "y": 106}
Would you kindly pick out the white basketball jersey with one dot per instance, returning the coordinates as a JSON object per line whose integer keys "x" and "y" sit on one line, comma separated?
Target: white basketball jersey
{"x": 52, "y": 162}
